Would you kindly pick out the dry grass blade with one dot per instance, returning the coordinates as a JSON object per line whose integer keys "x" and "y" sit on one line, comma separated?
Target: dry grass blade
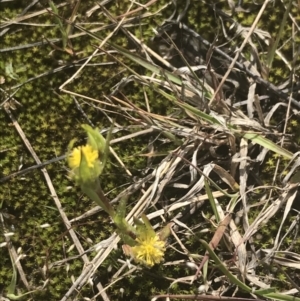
{"x": 265, "y": 215}
{"x": 200, "y": 136}
{"x": 266, "y": 2}
{"x": 287, "y": 259}
{"x": 274, "y": 47}
{"x": 54, "y": 195}
{"x": 255, "y": 133}
{"x": 201, "y": 297}
{"x": 15, "y": 258}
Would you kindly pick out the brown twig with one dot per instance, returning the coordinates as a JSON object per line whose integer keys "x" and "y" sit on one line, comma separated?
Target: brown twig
{"x": 215, "y": 240}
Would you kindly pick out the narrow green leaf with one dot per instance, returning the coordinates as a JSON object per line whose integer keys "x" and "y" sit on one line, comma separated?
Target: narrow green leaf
{"x": 60, "y": 24}
{"x": 268, "y": 144}
{"x": 281, "y": 297}
{"x": 211, "y": 200}
{"x": 12, "y": 286}
{"x": 224, "y": 270}
{"x": 265, "y": 293}
{"x": 254, "y": 137}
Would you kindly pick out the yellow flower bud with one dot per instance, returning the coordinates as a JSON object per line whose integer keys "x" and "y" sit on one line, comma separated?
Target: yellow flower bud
{"x": 84, "y": 163}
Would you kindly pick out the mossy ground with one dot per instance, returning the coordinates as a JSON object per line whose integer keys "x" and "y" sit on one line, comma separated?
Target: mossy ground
{"x": 50, "y": 120}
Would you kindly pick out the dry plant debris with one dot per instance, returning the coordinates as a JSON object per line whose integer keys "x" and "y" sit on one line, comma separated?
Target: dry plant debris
{"x": 203, "y": 117}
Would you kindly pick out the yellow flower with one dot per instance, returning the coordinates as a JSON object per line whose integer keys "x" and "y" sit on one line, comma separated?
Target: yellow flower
{"x": 149, "y": 250}
{"x": 84, "y": 163}
{"x": 75, "y": 158}
{"x": 89, "y": 153}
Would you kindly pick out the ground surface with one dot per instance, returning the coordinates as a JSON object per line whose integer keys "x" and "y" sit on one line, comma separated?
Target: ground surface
{"x": 41, "y": 112}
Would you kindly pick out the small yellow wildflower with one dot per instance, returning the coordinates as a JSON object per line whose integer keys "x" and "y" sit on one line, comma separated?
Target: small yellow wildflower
{"x": 89, "y": 153}
{"x": 75, "y": 158}
{"x": 149, "y": 250}
{"x": 85, "y": 165}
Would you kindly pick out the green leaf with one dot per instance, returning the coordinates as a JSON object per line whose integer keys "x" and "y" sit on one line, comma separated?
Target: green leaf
{"x": 211, "y": 200}
{"x": 265, "y": 293}
{"x": 60, "y": 24}
{"x": 257, "y": 138}
{"x": 121, "y": 210}
{"x": 12, "y": 286}
{"x": 95, "y": 139}
{"x": 223, "y": 268}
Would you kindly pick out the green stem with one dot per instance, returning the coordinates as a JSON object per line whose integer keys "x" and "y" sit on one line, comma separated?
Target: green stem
{"x": 95, "y": 192}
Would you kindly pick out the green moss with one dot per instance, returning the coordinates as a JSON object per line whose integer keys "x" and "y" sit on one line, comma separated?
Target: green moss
{"x": 50, "y": 120}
